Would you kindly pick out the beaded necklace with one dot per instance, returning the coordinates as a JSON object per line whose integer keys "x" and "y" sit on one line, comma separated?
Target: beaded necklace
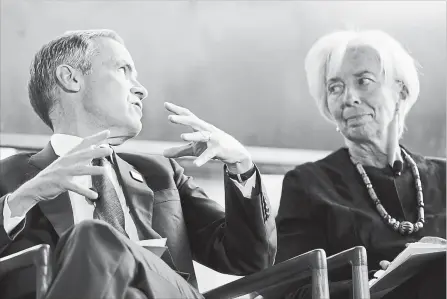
{"x": 404, "y": 227}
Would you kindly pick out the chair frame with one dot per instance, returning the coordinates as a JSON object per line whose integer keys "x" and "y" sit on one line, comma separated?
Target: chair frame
{"x": 311, "y": 264}
{"x": 40, "y": 257}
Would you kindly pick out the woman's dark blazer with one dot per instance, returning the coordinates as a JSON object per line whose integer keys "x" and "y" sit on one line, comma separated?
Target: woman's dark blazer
{"x": 325, "y": 204}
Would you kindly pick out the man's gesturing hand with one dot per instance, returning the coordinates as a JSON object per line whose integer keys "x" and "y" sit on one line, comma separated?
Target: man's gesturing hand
{"x": 57, "y": 177}
{"x": 207, "y": 142}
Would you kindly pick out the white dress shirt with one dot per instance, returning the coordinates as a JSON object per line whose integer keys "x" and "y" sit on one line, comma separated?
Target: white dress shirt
{"x": 83, "y": 208}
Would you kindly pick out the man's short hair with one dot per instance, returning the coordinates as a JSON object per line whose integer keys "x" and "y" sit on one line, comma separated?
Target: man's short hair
{"x": 75, "y": 48}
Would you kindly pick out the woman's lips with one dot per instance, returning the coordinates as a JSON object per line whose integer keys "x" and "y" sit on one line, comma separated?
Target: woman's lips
{"x": 354, "y": 116}
{"x": 358, "y": 119}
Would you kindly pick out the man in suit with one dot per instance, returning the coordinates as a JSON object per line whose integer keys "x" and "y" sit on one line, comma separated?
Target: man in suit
{"x": 92, "y": 204}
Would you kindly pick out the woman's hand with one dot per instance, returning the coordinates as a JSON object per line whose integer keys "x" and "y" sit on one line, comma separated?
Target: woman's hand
{"x": 383, "y": 265}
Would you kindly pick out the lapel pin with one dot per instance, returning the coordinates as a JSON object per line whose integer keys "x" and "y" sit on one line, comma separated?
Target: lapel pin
{"x": 136, "y": 176}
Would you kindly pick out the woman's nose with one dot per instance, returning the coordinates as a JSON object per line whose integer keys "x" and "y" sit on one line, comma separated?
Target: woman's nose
{"x": 351, "y": 97}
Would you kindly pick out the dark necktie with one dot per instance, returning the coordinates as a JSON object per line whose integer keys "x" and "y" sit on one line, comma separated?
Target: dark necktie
{"x": 108, "y": 207}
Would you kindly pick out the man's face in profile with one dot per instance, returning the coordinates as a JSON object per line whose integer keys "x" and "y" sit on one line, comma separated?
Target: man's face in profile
{"x": 112, "y": 95}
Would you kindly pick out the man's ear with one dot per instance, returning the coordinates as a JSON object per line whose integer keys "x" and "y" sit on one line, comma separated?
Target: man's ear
{"x": 68, "y": 78}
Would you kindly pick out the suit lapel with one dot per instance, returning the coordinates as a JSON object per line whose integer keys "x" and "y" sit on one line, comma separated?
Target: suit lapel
{"x": 139, "y": 198}
{"x": 58, "y": 211}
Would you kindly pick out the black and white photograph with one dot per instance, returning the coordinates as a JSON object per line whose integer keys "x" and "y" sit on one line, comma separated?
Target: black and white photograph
{"x": 217, "y": 149}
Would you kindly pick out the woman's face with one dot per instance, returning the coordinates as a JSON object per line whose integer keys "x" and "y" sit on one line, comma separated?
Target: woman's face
{"x": 361, "y": 103}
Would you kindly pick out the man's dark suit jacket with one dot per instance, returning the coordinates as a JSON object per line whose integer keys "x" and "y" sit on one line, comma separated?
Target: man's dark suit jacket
{"x": 239, "y": 241}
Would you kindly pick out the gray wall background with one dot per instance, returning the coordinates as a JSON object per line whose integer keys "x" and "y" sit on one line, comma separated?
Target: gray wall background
{"x": 236, "y": 64}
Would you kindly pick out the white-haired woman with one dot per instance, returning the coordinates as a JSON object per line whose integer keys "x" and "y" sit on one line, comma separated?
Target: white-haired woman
{"x": 374, "y": 192}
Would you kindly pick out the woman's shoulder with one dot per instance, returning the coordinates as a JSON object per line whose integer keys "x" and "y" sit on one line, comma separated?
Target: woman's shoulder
{"x": 320, "y": 173}
{"x": 312, "y": 183}
{"x": 332, "y": 162}
{"x": 436, "y": 164}
{"x": 435, "y": 161}
{"x": 429, "y": 164}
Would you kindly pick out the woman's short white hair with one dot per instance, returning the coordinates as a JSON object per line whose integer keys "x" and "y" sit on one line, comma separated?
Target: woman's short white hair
{"x": 326, "y": 55}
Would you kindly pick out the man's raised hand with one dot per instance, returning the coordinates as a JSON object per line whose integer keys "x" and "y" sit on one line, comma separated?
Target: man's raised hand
{"x": 207, "y": 142}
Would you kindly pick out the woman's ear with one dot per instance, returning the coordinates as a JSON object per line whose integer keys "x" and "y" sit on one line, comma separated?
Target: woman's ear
{"x": 403, "y": 90}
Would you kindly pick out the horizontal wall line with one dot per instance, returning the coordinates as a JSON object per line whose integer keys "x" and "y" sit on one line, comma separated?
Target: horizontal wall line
{"x": 264, "y": 155}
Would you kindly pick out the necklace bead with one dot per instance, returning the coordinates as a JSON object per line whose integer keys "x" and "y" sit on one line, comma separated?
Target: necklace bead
{"x": 404, "y": 227}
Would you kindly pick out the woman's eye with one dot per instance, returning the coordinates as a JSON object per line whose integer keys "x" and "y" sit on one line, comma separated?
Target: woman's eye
{"x": 335, "y": 88}
{"x": 365, "y": 81}
{"x": 123, "y": 69}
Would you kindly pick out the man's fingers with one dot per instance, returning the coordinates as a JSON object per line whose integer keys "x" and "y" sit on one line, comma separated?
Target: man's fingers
{"x": 190, "y": 121}
{"x": 177, "y": 109}
{"x": 92, "y": 140}
{"x": 384, "y": 264}
{"x": 207, "y": 155}
{"x": 96, "y": 138}
{"x": 179, "y": 151}
{"x": 90, "y": 153}
{"x": 81, "y": 190}
{"x": 86, "y": 170}
{"x": 200, "y": 136}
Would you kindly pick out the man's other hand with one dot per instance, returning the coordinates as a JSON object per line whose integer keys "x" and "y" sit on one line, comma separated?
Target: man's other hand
{"x": 57, "y": 177}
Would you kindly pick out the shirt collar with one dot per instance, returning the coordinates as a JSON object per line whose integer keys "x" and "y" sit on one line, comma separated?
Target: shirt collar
{"x": 63, "y": 143}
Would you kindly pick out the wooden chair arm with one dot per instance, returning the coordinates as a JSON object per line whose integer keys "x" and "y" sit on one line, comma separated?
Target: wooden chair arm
{"x": 357, "y": 257}
{"x": 299, "y": 268}
{"x": 38, "y": 256}
{"x": 312, "y": 263}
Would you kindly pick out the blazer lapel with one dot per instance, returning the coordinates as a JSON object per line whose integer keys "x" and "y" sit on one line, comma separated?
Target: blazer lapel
{"x": 347, "y": 181}
{"x": 58, "y": 211}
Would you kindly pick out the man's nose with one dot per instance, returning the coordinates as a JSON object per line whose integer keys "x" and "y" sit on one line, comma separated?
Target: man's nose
{"x": 139, "y": 91}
